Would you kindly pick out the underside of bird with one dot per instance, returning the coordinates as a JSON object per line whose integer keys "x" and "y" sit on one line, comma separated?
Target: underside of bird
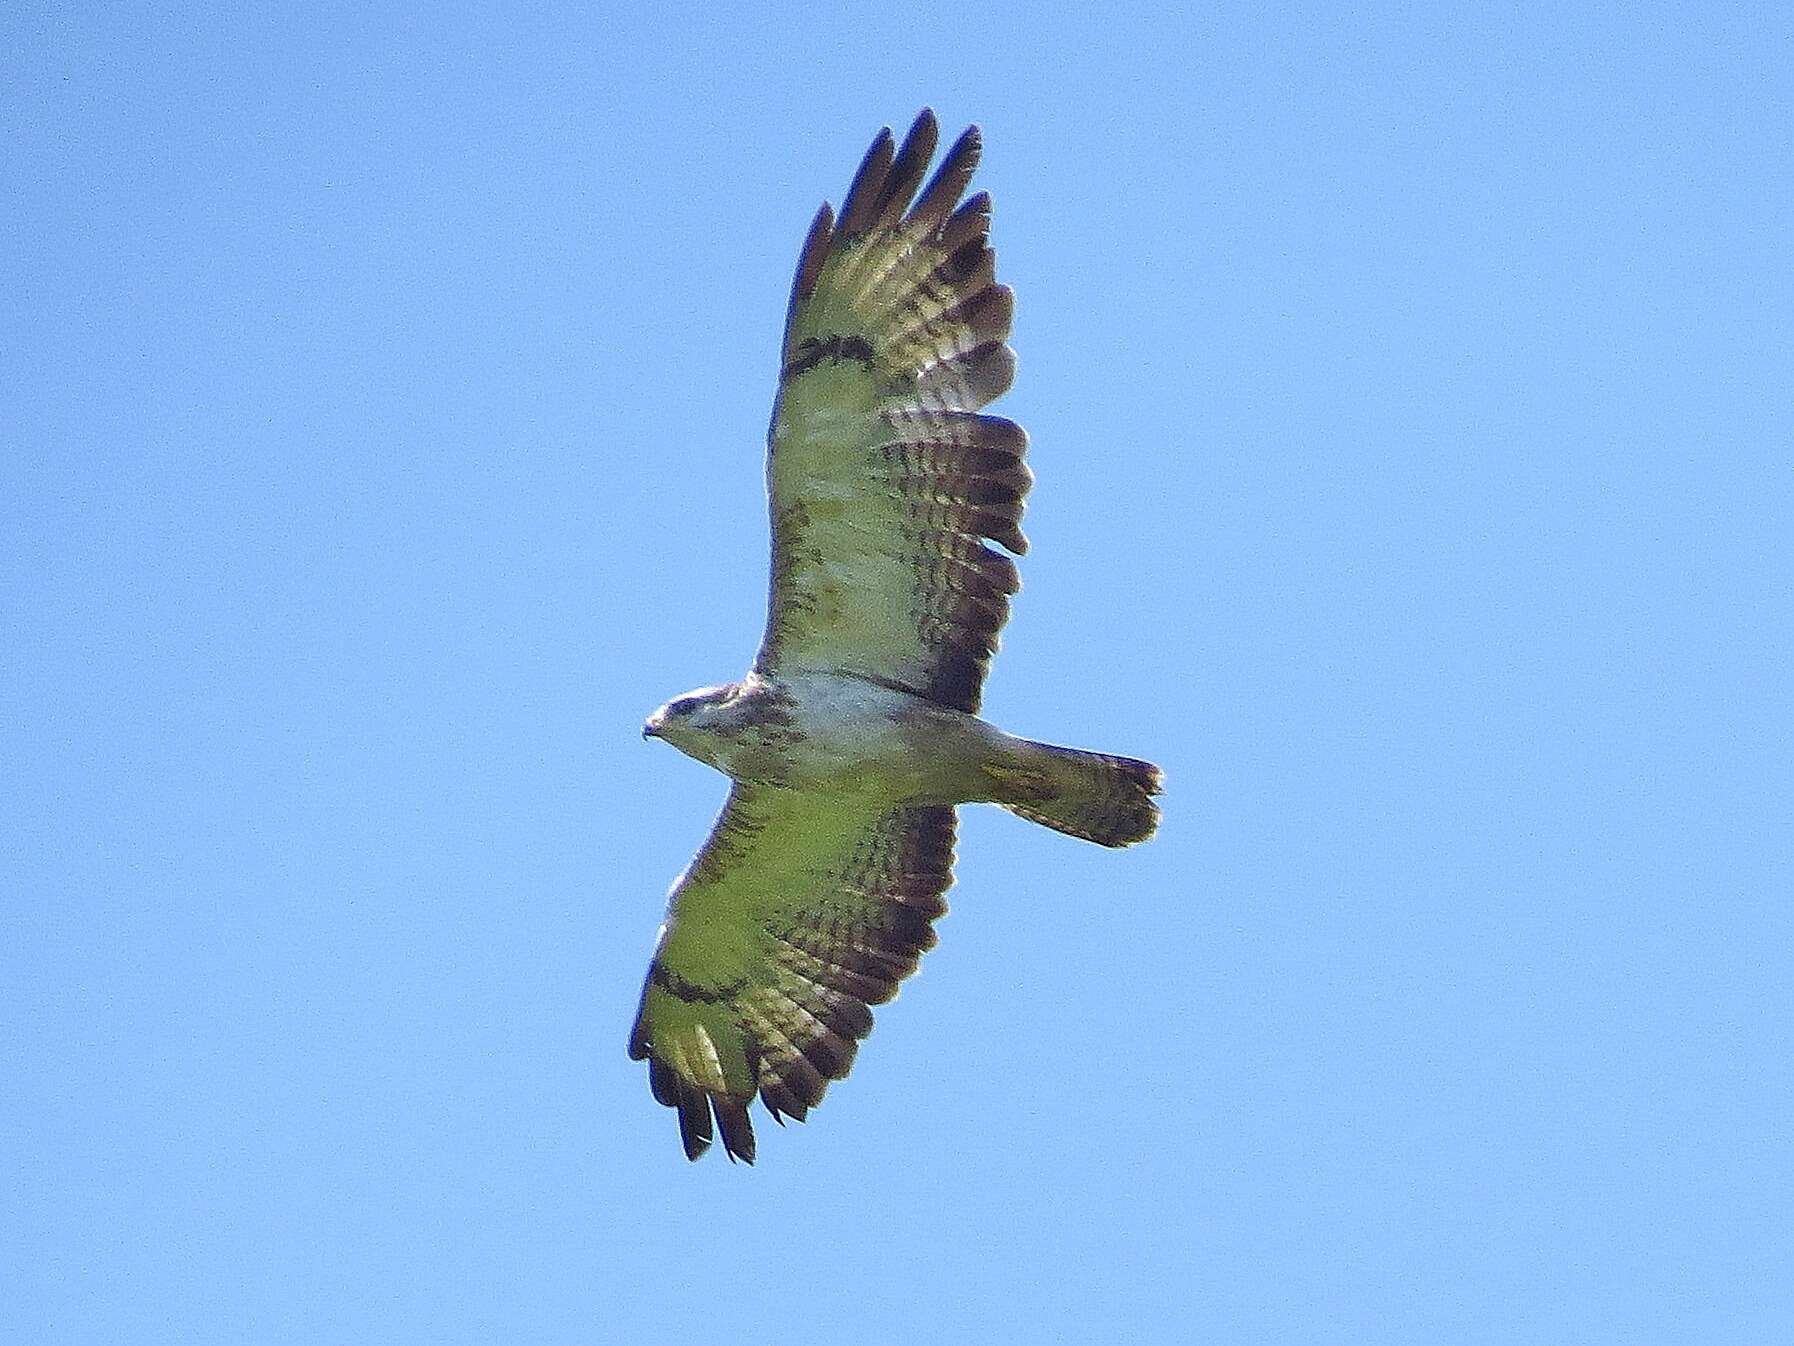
{"x": 857, "y": 732}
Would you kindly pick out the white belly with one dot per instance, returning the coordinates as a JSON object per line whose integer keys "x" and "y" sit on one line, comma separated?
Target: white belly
{"x": 853, "y": 734}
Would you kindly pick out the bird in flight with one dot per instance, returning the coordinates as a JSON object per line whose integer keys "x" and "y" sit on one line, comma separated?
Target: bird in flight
{"x": 856, "y": 733}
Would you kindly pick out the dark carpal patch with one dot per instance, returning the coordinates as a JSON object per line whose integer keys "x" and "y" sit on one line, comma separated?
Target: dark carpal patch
{"x": 690, "y": 991}
{"x": 835, "y": 348}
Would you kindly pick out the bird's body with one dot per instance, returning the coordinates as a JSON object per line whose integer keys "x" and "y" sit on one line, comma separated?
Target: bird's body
{"x": 857, "y": 733}
{"x": 839, "y": 732}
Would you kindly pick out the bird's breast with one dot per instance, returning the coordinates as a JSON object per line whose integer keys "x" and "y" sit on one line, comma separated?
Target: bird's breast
{"x": 841, "y": 732}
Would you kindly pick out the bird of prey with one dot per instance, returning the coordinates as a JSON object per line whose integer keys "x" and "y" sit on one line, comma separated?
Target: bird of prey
{"x": 856, "y": 732}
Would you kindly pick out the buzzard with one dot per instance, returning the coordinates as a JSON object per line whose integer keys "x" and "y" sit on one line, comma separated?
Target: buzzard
{"x": 857, "y": 731}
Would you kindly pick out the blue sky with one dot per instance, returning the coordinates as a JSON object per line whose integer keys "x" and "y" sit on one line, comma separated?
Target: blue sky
{"x": 381, "y": 401}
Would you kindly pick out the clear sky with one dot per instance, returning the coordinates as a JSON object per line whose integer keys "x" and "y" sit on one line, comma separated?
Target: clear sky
{"x": 381, "y": 403}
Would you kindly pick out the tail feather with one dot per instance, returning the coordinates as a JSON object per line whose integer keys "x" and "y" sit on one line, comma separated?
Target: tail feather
{"x": 1091, "y": 795}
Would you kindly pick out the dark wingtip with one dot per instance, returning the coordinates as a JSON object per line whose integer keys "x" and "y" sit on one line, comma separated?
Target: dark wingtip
{"x": 694, "y": 1119}
{"x": 906, "y": 171}
{"x": 811, "y": 258}
{"x": 694, "y": 1143}
{"x": 737, "y": 1127}
{"x": 859, "y": 206}
{"x": 696, "y": 1106}
{"x": 956, "y": 168}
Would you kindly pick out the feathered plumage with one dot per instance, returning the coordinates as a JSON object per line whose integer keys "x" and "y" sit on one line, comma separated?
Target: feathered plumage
{"x": 856, "y": 732}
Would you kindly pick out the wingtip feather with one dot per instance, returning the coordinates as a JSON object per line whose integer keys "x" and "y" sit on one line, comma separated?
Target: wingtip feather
{"x": 860, "y": 206}
{"x": 694, "y": 1120}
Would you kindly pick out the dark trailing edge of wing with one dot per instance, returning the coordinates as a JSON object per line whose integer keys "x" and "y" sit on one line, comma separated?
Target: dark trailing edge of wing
{"x": 829, "y": 970}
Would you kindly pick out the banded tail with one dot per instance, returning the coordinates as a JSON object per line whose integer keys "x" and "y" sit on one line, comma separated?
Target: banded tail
{"x": 1091, "y": 795}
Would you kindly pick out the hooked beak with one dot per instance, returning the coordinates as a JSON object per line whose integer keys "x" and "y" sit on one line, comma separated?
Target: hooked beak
{"x": 652, "y": 728}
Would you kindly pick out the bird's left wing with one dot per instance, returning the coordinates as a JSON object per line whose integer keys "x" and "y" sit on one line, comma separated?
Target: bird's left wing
{"x": 800, "y": 912}
{"x": 884, "y": 478}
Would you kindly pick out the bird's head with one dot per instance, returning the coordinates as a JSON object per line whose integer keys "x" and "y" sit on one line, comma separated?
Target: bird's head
{"x": 693, "y": 723}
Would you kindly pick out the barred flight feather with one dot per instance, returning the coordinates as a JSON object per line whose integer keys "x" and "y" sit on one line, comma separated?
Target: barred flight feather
{"x": 834, "y": 924}
{"x": 885, "y": 481}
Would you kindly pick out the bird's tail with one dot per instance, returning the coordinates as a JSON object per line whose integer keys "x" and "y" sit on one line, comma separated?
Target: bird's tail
{"x": 1091, "y": 795}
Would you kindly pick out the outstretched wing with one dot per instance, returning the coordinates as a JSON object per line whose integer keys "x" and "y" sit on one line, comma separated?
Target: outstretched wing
{"x": 884, "y": 479}
{"x": 801, "y": 911}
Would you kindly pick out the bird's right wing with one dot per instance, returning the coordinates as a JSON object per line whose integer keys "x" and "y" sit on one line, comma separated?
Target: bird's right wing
{"x": 801, "y": 911}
